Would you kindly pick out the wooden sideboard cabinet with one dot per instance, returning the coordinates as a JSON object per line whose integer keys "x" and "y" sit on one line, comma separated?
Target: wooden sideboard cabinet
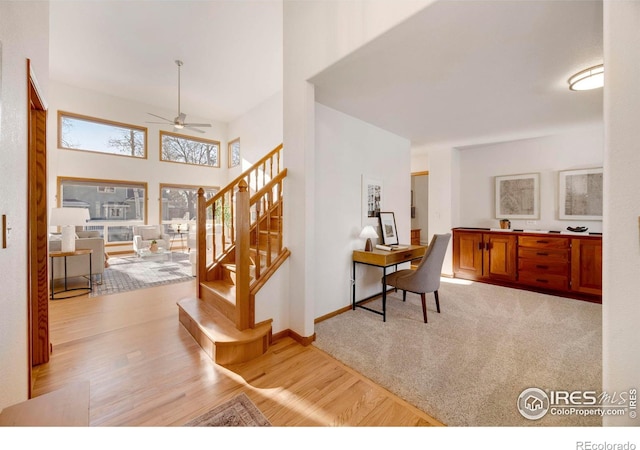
{"x": 586, "y": 265}
{"x": 566, "y": 265}
{"x": 484, "y": 255}
{"x": 543, "y": 262}
{"x": 415, "y": 236}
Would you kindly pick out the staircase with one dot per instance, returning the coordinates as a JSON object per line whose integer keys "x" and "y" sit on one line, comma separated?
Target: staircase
{"x": 239, "y": 247}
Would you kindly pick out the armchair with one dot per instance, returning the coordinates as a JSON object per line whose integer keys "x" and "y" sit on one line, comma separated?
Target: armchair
{"x": 426, "y": 278}
{"x": 144, "y": 234}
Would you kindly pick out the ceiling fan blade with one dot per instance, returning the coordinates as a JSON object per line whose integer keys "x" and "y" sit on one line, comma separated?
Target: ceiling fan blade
{"x": 162, "y": 123}
{"x": 197, "y": 124}
{"x": 160, "y": 117}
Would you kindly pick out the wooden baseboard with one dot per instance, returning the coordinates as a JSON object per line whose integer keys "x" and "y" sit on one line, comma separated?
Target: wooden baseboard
{"x": 302, "y": 340}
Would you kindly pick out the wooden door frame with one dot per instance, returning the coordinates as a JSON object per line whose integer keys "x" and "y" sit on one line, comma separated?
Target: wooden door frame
{"x": 37, "y": 226}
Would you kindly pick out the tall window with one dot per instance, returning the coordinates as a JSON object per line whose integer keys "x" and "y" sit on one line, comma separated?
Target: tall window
{"x": 179, "y": 204}
{"x": 76, "y": 132}
{"x": 234, "y": 152}
{"x": 114, "y": 206}
{"x": 189, "y": 150}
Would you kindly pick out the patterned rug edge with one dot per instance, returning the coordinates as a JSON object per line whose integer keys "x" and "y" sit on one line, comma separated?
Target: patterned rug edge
{"x": 240, "y": 411}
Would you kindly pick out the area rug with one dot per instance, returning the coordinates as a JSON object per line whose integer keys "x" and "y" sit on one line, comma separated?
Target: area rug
{"x": 240, "y": 411}
{"x": 469, "y": 364}
{"x": 132, "y": 272}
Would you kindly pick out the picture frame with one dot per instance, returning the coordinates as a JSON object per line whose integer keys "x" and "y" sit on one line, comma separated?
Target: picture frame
{"x": 517, "y": 196}
{"x": 580, "y": 194}
{"x": 371, "y": 195}
{"x": 388, "y": 228}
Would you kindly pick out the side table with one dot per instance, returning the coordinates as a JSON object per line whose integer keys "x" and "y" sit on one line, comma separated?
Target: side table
{"x": 84, "y": 290}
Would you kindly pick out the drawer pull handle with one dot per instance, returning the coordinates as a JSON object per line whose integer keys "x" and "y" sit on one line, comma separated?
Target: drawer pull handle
{"x": 542, "y": 242}
{"x": 540, "y": 266}
{"x": 541, "y": 281}
{"x": 542, "y": 254}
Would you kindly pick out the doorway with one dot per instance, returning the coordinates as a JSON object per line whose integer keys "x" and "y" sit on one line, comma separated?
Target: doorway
{"x": 420, "y": 207}
{"x": 37, "y": 232}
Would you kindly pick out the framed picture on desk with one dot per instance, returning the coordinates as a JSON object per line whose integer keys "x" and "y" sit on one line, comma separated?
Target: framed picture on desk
{"x": 388, "y": 228}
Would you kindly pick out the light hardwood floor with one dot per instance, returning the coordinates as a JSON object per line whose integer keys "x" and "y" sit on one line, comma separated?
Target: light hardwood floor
{"x": 144, "y": 369}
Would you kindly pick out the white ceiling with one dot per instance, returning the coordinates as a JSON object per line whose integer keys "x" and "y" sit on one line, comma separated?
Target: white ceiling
{"x": 469, "y": 72}
{"x": 232, "y": 52}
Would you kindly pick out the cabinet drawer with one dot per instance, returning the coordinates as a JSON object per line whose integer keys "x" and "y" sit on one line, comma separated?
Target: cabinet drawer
{"x": 542, "y": 255}
{"x": 543, "y": 242}
{"x": 544, "y": 280}
{"x": 543, "y": 267}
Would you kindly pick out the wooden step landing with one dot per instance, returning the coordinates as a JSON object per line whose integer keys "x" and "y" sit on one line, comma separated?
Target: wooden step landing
{"x": 221, "y": 294}
{"x": 218, "y": 336}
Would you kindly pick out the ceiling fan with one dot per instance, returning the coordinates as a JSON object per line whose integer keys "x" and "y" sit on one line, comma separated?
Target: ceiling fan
{"x": 179, "y": 123}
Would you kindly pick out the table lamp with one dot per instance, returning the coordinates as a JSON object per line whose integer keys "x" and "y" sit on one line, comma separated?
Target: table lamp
{"x": 368, "y": 233}
{"x": 68, "y": 219}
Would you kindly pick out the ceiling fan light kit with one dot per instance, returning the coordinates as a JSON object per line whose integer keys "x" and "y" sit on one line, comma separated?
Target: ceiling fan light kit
{"x": 179, "y": 123}
{"x": 591, "y": 78}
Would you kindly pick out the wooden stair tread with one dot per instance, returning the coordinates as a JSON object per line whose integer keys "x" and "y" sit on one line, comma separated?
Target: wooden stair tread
{"x": 223, "y": 288}
{"x": 217, "y": 326}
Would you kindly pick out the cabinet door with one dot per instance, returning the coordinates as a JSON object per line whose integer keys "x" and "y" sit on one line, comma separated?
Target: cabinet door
{"x": 586, "y": 266}
{"x": 467, "y": 255}
{"x": 500, "y": 256}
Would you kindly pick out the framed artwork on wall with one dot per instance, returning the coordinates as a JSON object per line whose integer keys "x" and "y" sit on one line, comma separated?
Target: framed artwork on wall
{"x": 580, "y": 194}
{"x": 388, "y": 228}
{"x": 518, "y": 196}
{"x": 371, "y": 200}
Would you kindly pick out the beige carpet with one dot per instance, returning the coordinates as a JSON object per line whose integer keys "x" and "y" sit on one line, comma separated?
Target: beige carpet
{"x": 469, "y": 364}
{"x": 240, "y": 411}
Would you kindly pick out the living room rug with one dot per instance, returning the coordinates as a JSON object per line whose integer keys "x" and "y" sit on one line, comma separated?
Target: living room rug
{"x": 240, "y": 411}
{"x": 468, "y": 365}
{"x": 128, "y": 273}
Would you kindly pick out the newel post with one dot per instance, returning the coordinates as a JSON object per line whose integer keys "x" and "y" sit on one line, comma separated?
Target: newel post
{"x": 243, "y": 260}
{"x": 201, "y": 245}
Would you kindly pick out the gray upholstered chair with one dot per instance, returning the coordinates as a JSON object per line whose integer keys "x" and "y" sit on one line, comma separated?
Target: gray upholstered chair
{"x": 426, "y": 278}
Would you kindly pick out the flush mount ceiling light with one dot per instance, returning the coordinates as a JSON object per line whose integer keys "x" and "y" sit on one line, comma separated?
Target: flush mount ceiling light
{"x": 591, "y": 78}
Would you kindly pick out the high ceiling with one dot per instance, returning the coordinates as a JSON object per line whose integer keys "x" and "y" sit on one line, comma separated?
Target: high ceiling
{"x": 460, "y": 72}
{"x": 232, "y": 52}
{"x": 470, "y": 72}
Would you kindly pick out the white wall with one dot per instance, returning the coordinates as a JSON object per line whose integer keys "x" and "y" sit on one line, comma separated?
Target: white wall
{"x": 575, "y": 149}
{"x": 259, "y": 130}
{"x": 316, "y": 34}
{"x": 74, "y": 163}
{"x": 620, "y": 305}
{"x": 24, "y": 28}
{"x": 346, "y": 149}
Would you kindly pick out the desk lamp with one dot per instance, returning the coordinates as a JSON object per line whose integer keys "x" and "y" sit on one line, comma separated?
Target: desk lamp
{"x": 368, "y": 233}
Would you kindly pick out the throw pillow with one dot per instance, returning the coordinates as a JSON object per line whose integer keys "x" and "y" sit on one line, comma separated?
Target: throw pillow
{"x": 149, "y": 234}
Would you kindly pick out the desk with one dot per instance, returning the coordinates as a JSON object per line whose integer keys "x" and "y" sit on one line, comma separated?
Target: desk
{"x": 64, "y": 255}
{"x": 383, "y": 259}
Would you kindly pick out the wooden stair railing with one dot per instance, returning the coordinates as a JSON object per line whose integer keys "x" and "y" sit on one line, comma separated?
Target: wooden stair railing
{"x": 251, "y": 232}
